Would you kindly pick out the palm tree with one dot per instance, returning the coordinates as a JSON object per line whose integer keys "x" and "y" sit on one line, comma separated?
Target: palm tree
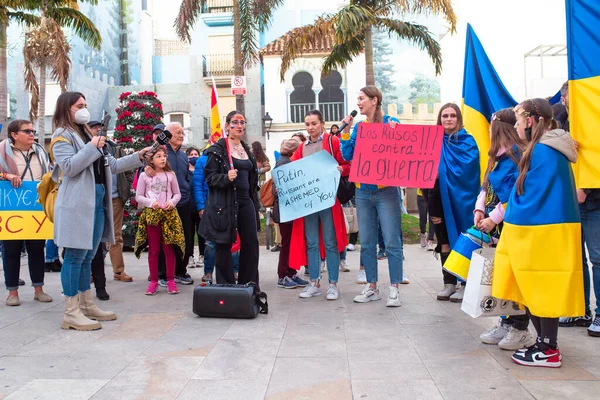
{"x": 46, "y": 46}
{"x": 249, "y": 18}
{"x": 351, "y": 31}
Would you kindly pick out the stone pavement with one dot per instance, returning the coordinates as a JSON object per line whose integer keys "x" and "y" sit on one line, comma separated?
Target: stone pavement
{"x": 304, "y": 349}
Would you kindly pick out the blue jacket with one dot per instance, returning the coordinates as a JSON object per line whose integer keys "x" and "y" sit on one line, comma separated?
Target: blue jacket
{"x": 199, "y": 185}
{"x": 180, "y": 165}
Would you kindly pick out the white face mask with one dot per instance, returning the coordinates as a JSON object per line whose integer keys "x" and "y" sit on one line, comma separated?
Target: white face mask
{"x": 82, "y": 116}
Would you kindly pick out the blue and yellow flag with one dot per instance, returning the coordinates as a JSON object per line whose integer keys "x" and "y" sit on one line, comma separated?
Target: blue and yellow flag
{"x": 583, "y": 47}
{"x": 483, "y": 94}
{"x": 538, "y": 261}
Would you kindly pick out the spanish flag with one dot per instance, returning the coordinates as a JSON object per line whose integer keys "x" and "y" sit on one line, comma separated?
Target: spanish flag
{"x": 538, "y": 261}
{"x": 483, "y": 94}
{"x": 216, "y": 131}
{"x": 583, "y": 46}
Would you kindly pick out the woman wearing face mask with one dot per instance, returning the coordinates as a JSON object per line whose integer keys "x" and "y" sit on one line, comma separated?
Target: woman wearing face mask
{"x": 450, "y": 201}
{"x": 193, "y": 155}
{"x": 232, "y": 204}
{"x": 538, "y": 261}
{"x": 373, "y": 200}
{"x": 81, "y": 221}
{"x": 306, "y": 235}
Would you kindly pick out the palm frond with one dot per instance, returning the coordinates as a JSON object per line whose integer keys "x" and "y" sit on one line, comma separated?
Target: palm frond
{"x": 351, "y": 21}
{"x": 23, "y": 18}
{"x": 428, "y": 7}
{"x": 60, "y": 62}
{"x": 263, "y": 12}
{"x": 418, "y": 35}
{"x": 248, "y": 31}
{"x": 76, "y": 20}
{"x": 188, "y": 13}
{"x": 343, "y": 53}
{"x": 31, "y": 84}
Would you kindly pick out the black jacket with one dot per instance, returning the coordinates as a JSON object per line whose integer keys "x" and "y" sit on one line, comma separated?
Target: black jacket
{"x": 180, "y": 165}
{"x": 276, "y": 216}
{"x": 219, "y": 222}
{"x": 124, "y": 179}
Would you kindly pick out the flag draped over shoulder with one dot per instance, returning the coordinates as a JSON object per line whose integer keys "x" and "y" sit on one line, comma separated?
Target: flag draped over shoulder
{"x": 583, "y": 47}
{"x": 483, "y": 94}
{"x": 216, "y": 130}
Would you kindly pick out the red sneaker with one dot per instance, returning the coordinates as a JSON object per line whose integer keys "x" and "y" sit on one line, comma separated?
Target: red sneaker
{"x": 172, "y": 287}
{"x": 536, "y": 357}
{"x": 152, "y": 288}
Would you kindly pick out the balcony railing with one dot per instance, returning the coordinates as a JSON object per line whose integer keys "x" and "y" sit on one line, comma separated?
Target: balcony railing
{"x": 218, "y": 65}
{"x": 331, "y": 111}
{"x": 218, "y": 6}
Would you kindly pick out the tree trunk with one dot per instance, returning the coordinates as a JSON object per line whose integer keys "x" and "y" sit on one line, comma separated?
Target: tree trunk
{"x": 124, "y": 55}
{"x": 41, "y": 127}
{"x": 3, "y": 83}
{"x": 237, "y": 53}
{"x": 370, "y": 74}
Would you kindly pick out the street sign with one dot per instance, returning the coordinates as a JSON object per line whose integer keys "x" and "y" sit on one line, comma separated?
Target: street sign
{"x": 238, "y": 85}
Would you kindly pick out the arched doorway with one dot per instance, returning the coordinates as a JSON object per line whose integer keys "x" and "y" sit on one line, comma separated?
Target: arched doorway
{"x": 331, "y": 98}
{"x": 302, "y": 99}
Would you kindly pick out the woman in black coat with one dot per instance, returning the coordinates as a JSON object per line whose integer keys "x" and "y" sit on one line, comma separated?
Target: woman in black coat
{"x": 232, "y": 204}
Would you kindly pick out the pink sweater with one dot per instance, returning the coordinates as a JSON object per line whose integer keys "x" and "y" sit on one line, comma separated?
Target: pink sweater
{"x": 497, "y": 214}
{"x": 162, "y": 187}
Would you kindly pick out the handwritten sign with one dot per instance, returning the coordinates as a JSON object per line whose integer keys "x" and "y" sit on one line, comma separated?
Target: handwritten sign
{"x": 306, "y": 186}
{"x": 21, "y": 216}
{"x": 406, "y": 156}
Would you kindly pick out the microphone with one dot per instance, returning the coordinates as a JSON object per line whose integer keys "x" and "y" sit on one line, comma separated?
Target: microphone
{"x": 162, "y": 139}
{"x": 344, "y": 125}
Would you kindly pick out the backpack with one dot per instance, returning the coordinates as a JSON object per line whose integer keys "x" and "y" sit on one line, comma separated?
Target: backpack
{"x": 48, "y": 189}
{"x": 266, "y": 194}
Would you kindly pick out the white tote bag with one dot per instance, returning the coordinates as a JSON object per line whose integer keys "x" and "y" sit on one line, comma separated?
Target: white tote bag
{"x": 478, "y": 300}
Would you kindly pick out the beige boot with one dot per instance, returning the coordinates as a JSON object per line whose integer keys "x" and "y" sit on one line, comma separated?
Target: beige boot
{"x": 74, "y": 319}
{"x": 91, "y": 310}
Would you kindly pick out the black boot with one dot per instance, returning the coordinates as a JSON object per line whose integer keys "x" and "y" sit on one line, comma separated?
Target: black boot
{"x": 48, "y": 266}
{"x": 101, "y": 293}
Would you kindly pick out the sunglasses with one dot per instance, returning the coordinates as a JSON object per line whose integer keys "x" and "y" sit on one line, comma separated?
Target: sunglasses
{"x": 448, "y": 115}
{"x": 28, "y": 131}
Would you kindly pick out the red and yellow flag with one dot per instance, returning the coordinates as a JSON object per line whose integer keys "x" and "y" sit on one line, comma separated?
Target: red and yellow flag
{"x": 216, "y": 130}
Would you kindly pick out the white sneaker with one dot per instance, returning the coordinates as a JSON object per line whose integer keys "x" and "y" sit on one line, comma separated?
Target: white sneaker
{"x": 200, "y": 262}
{"x": 332, "y": 292}
{"x": 310, "y": 291}
{"x": 344, "y": 266}
{"x": 448, "y": 291}
{"x": 191, "y": 262}
{"x": 323, "y": 268}
{"x": 495, "y": 334}
{"x": 457, "y": 297}
{"x": 393, "y": 297}
{"x": 361, "y": 278}
{"x": 405, "y": 280}
{"x": 430, "y": 245}
{"x": 350, "y": 247}
{"x": 368, "y": 294}
{"x": 423, "y": 240}
{"x": 516, "y": 339}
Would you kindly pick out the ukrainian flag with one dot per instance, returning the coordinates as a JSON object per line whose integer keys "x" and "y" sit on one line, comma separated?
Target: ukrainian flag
{"x": 583, "y": 46}
{"x": 483, "y": 94}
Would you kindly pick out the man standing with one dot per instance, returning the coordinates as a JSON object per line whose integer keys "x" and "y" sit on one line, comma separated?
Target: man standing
{"x": 589, "y": 206}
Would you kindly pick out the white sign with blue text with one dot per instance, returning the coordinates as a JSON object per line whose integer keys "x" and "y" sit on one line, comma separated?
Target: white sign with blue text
{"x": 306, "y": 186}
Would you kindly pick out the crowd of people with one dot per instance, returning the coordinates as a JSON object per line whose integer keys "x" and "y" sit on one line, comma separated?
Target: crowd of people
{"x": 528, "y": 195}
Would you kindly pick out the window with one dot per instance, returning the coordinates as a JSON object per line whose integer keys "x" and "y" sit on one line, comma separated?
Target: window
{"x": 302, "y": 99}
{"x": 177, "y": 118}
{"x": 331, "y": 98}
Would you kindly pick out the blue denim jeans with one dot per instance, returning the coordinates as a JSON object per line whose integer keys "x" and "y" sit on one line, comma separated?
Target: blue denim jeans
{"x": 385, "y": 203}
{"x": 51, "y": 251}
{"x": 209, "y": 258}
{"x": 312, "y": 234}
{"x": 590, "y": 227}
{"x": 77, "y": 265}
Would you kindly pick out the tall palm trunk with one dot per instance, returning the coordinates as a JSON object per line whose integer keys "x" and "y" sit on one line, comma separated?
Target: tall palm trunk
{"x": 3, "y": 83}
{"x": 124, "y": 55}
{"x": 238, "y": 66}
{"x": 370, "y": 74}
{"x": 41, "y": 128}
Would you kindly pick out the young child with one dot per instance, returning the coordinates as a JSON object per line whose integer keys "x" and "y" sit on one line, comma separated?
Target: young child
{"x": 159, "y": 222}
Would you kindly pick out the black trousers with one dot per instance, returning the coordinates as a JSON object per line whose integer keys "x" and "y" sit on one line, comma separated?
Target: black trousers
{"x": 181, "y": 264}
{"x": 434, "y": 206}
{"x": 195, "y": 224}
{"x": 98, "y": 272}
{"x": 547, "y": 330}
{"x": 248, "y": 270}
{"x": 424, "y": 217}
{"x": 11, "y": 260}
{"x": 520, "y": 322}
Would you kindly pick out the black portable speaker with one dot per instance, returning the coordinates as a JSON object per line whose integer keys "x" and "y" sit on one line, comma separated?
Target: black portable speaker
{"x": 229, "y": 301}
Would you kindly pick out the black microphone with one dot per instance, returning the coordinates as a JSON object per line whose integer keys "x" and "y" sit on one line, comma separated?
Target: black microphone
{"x": 161, "y": 140}
{"x": 344, "y": 125}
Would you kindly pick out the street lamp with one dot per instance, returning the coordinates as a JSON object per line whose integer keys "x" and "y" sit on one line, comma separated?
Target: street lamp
{"x": 267, "y": 122}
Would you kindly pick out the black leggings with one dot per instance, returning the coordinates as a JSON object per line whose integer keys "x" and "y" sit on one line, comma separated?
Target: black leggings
{"x": 547, "y": 330}
{"x": 423, "y": 217}
{"x": 246, "y": 225}
{"x": 98, "y": 272}
{"x": 195, "y": 218}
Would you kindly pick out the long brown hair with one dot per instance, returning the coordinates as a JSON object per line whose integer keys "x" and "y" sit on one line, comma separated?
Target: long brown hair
{"x": 259, "y": 153}
{"x": 62, "y": 114}
{"x": 372, "y": 92}
{"x": 503, "y": 136}
{"x": 459, "y": 118}
{"x": 167, "y": 167}
{"x": 541, "y": 112}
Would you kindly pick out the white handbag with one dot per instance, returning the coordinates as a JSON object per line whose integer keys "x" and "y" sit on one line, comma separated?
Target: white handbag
{"x": 478, "y": 300}
{"x": 351, "y": 218}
